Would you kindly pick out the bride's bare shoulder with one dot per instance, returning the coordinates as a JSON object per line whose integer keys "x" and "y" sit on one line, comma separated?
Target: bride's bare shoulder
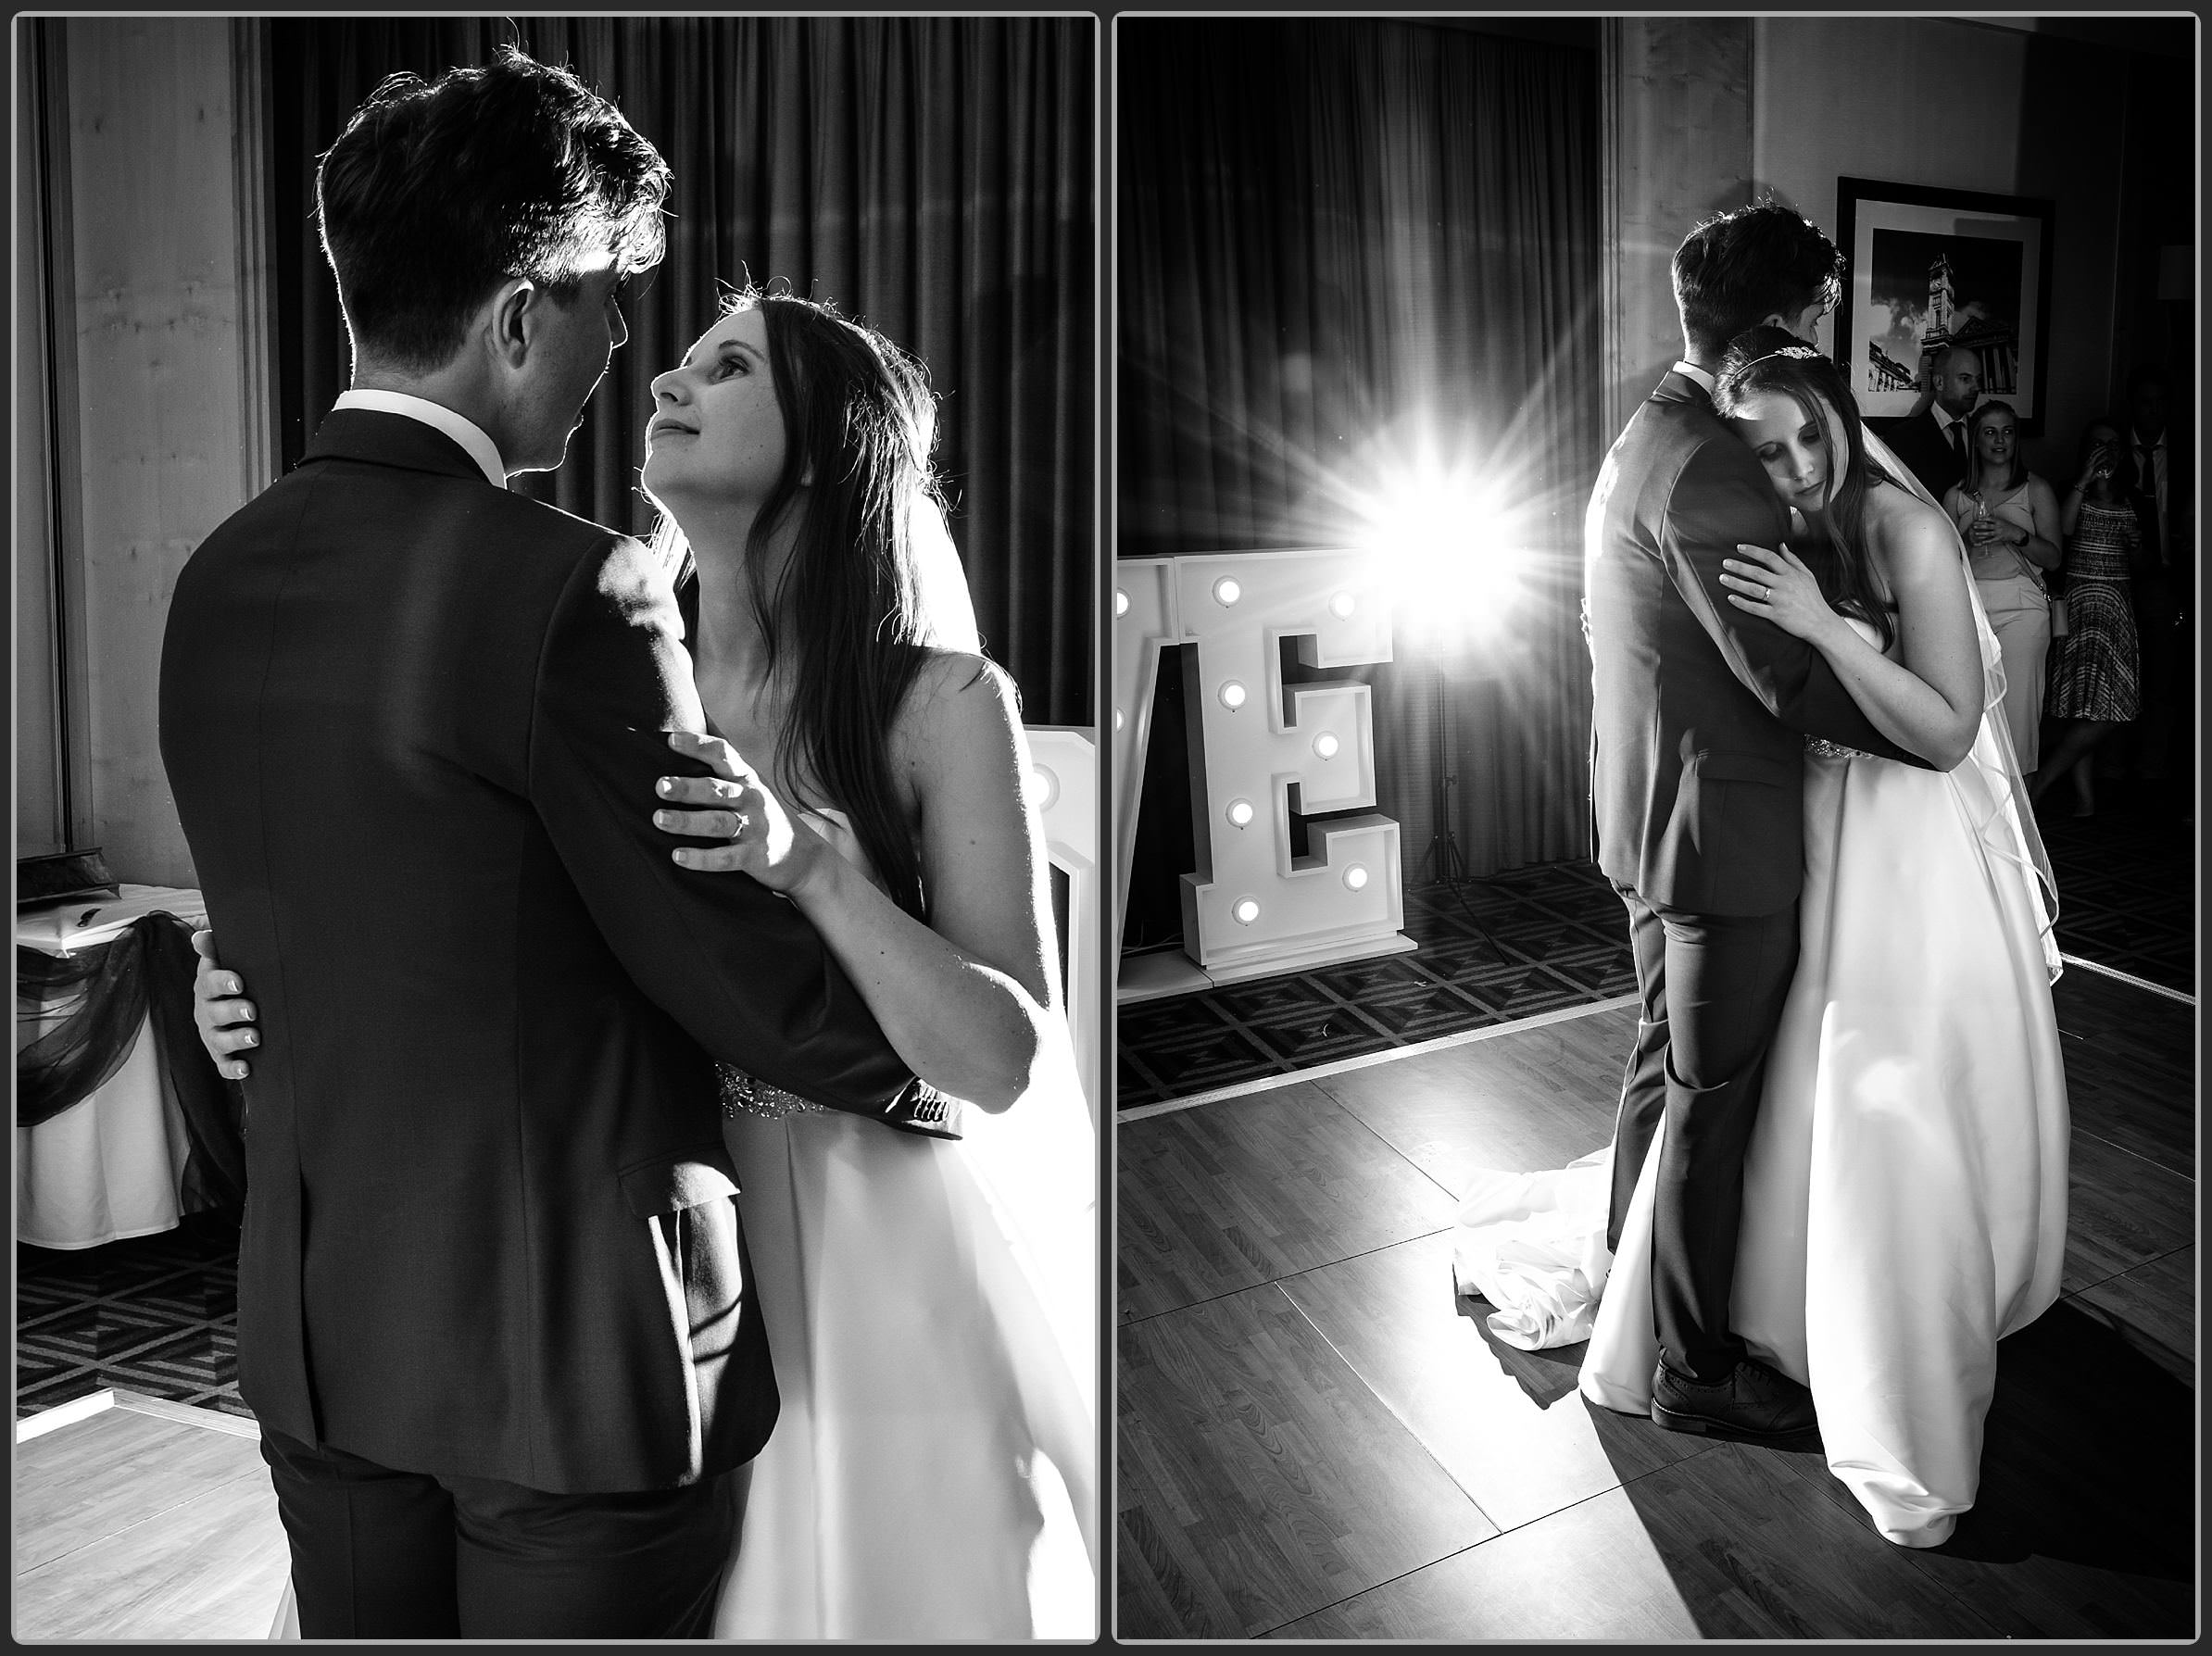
{"x": 1907, "y": 535}
{"x": 957, "y": 701}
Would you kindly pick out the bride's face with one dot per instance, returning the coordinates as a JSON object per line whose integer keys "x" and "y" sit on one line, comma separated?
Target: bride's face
{"x": 1796, "y": 448}
{"x": 717, "y": 430}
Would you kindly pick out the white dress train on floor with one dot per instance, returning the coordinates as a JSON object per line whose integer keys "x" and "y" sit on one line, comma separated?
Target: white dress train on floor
{"x": 1905, "y": 1186}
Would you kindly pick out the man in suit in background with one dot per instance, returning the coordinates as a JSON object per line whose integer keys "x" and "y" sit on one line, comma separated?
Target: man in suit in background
{"x": 1697, "y": 767}
{"x": 1934, "y": 439}
{"x": 492, "y": 1306}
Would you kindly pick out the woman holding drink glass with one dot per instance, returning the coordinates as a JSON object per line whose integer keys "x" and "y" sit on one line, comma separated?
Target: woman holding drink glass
{"x": 2009, "y": 520}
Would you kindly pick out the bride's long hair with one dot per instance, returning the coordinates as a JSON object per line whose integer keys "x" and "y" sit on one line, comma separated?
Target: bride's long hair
{"x": 1770, "y": 359}
{"x": 844, "y": 612}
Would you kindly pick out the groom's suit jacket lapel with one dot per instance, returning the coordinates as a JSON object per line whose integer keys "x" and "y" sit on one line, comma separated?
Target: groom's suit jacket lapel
{"x": 1699, "y": 711}
{"x": 411, "y": 721}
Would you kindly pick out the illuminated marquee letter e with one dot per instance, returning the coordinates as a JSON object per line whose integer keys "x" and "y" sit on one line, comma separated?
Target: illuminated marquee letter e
{"x": 1252, "y": 909}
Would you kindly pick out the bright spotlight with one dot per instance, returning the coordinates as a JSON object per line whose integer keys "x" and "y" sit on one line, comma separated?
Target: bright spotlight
{"x": 1355, "y": 878}
{"x": 1450, "y": 553}
{"x": 1246, "y": 912}
{"x": 1041, "y": 788}
{"x": 1117, "y": 719}
{"x": 1120, "y": 603}
{"x": 1226, "y": 591}
{"x": 1232, "y": 695}
{"x": 1241, "y": 813}
{"x": 1342, "y": 606}
{"x": 1326, "y": 745}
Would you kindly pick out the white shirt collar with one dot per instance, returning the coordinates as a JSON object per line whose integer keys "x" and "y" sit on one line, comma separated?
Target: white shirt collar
{"x": 462, "y": 429}
{"x": 1696, "y": 375}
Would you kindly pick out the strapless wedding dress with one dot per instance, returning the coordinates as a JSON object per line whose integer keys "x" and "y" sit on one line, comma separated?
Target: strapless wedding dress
{"x": 932, "y": 1312}
{"x": 1904, "y": 1197}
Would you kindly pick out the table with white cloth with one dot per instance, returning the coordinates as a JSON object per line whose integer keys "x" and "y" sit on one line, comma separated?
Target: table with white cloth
{"x": 112, "y": 1164}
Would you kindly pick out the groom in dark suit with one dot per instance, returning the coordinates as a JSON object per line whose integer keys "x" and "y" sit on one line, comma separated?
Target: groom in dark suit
{"x": 494, "y": 1314}
{"x": 1697, "y": 767}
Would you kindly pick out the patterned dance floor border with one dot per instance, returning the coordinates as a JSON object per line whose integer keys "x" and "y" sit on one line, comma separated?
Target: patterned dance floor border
{"x": 157, "y": 1315}
{"x": 1558, "y": 938}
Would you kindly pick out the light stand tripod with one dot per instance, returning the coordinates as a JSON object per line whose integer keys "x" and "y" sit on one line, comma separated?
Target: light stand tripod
{"x": 1444, "y": 863}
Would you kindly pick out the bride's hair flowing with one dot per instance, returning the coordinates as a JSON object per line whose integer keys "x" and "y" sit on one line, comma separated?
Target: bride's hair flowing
{"x": 1774, "y": 359}
{"x": 845, "y": 613}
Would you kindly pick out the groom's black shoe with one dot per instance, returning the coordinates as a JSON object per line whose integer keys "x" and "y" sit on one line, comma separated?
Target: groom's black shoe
{"x": 1752, "y": 1402}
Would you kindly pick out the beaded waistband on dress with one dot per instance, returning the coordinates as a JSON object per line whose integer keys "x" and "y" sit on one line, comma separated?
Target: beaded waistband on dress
{"x": 1821, "y": 748}
{"x": 755, "y": 1097}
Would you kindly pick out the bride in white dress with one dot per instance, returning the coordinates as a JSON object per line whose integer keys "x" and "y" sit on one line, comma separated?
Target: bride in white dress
{"x": 930, "y": 1296}
{"x": 1905, "y": 1186}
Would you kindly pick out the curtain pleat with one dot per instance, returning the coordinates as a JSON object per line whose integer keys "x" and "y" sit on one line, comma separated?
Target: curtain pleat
{"x": 1342, "y": 243}
{"x": 930, "y": 175}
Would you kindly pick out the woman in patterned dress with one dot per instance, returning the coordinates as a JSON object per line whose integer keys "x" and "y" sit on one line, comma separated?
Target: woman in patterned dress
{"x": 2095, "y": 673}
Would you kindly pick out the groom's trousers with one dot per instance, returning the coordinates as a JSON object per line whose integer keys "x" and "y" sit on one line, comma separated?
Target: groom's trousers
{"x": 382, "y": 1554}
{"x": 1712, "y": 987}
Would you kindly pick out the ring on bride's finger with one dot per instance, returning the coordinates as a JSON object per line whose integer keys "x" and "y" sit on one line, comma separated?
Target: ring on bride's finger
{"x": 739, "y": 821}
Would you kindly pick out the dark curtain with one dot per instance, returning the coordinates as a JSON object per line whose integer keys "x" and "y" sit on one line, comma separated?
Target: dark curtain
{"x": 1342, "y": 242}
{"x": 932, "y": 176}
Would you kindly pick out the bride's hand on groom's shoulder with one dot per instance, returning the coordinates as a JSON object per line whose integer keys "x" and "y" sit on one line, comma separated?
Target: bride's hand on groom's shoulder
{"x": 1777, "y": 586}
{"x": 745, "y": 828}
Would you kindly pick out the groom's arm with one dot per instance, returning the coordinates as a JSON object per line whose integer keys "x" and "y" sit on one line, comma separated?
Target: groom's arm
{"x": 1718, "y": 504}
{"x": 736, "y": 965}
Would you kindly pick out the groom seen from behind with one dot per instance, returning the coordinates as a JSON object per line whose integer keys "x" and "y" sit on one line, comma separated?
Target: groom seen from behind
{"x": 494, "y": 1311}
{"x": 1699, "y": 720}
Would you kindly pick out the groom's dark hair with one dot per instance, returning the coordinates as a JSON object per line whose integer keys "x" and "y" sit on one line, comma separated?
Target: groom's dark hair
{"x": 438, "y": 192}
{"x": 1735, "y": 270}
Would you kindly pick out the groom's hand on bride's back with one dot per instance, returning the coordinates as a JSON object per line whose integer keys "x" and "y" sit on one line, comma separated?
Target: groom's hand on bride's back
{"x": 220, "y": 1012}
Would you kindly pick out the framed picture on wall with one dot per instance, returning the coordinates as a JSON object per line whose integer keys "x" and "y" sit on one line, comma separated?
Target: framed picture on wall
{"x": 1927, "y": 270}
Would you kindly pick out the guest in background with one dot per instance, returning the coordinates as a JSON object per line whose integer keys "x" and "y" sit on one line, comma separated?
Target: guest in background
{"x": 2152, "y": 473}
{"x": 2008, "y": 517}
{"x": 1933, "y": 440}
{"x": 2095, "y": 672}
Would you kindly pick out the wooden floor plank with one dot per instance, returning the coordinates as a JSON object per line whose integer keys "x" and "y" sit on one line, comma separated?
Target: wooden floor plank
{"x": 1537, "y": 1098}
{"x": 2153, "y": 1309}
{"x": 1259, "y": 1478}
{"x": 2121, "y": 1211}
{"x": 1766, "y": 1544}
{"x": 1219, "y": 1198}
{"x": 137, "y": 1526}
{"x": 1592, "y": 1572}
{"x": 2085, "y": 1526}
{"x": 1509, "y": 1425}
{"x": 2131, "y": 1067}
{"x": 99, "y": 1476}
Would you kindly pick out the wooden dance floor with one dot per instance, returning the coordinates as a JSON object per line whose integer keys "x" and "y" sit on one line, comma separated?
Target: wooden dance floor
{"x": 137, "y": 1518}
{"x": 1317, "y": 1441}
